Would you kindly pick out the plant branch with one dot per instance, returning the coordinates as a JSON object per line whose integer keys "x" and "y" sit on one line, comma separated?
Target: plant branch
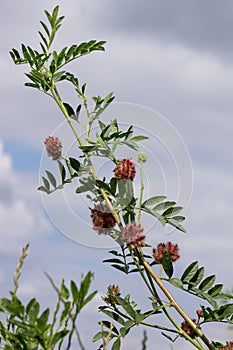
{"x": 60, "y": 104}
{"x": 153, "y": 291}
{"x": 177, "y": 306}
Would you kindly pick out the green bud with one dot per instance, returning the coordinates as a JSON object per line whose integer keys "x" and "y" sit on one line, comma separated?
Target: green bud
{"x": 142, "y": 157}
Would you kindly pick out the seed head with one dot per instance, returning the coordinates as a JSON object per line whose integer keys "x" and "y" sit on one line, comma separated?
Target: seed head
{"x": 102, "y": 218}
{"x": 172, "y": 249}
{"x": 125, "y": 169}
{"x": 53, "y": 147}
{"x": 229, "y": 346}
{"x": 113, "y": 290}
{"x": 133, "y": 235}
{"x": 188, "y": 329}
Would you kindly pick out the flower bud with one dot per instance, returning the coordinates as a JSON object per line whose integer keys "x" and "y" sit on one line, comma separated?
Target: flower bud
{"x": 113, "y": 290}
{"x": 200, "y": 313}
{"x": 142, "y": 157}
{"x": 229, "y": 346}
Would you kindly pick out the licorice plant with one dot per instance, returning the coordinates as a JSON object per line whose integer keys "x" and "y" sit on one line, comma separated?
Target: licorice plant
{"x": 115, "y": 211}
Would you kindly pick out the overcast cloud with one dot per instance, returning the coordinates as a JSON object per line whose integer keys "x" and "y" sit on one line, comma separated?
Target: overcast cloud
{"x": 204, "y": 26}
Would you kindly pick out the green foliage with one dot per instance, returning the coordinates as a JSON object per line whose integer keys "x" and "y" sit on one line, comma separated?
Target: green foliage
{"x": 126, "y": 314}
{"x": 26, "y": 327}
{"x": 46, "y": 64}
{"x": 164, "y": 211}
{"x": 71, "y": 166}
{"x": 194, "y": 282}
{"x": 167, "y": 264}
{"x": 122, "y": 262}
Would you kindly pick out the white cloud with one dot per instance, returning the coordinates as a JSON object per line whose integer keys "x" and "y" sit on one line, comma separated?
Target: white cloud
{"x": 21, "y": 214}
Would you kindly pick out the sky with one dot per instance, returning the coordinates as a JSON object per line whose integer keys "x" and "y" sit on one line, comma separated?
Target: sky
{"x": 170, "y": 67}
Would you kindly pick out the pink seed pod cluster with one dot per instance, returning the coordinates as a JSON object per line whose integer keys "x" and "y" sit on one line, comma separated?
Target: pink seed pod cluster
{"x": 53, "y": 147}
{"x": 172, "y": 249}
{"x": 102, "y": 218}
{"x": 188, "y": 329}
{"x": 229, "y": 346}
{"x": 125, "y": 169}
{"x": 133, "y": 235}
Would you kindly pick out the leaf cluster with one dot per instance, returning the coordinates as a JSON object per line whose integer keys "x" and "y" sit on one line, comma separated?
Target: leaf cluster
{"x": 122, "y": 261}
{"x": 165, "y": 211}
{"x": 27, "y": 328}
{"x": 126, "y": 314}
{"x": 110, "y": 137}
{"x": 45, "y": 64}
{"x": 194, "y": 281}
{"x": 73, "y": 167}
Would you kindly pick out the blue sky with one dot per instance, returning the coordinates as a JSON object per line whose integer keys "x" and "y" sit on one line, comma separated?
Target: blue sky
{"x": 173, "y": 59}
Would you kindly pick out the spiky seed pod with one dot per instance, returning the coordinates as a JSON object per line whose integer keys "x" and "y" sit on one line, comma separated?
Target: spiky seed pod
{"x": 133, "y": 235}
{"x": 125, "y": 169}
{"x": 102, "y": 218}
{"x": 172, "y": 249}
{"x": 53, "y": 147}
{"x": 188, "y": 329}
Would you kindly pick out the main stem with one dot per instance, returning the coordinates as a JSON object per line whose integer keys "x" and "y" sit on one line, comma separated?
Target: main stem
{"x": 60, "y": 104}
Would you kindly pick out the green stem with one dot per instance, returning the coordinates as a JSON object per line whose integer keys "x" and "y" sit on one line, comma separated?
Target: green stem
{"x": 171, "y": 319}
{"x": 158, "y": 327}
{"x": 153, "y": 291}
{"x": 145, "y": 323}
{"x": 178, "y": 307}
{"x": 141, "y": 194}
{"x": 74, "y": 329}
{"x": 60, "y": 104}
{"x": 88, "y": 128}
{"x": 141, "y": 273}
{"x": 57, "y": 308}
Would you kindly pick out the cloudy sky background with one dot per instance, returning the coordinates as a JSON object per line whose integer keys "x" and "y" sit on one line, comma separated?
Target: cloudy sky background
{"x": 171, "y": 57}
